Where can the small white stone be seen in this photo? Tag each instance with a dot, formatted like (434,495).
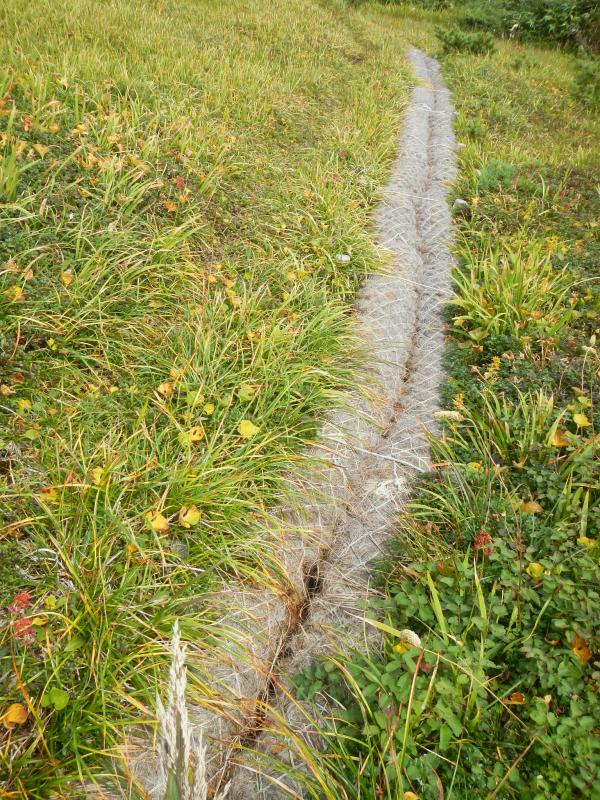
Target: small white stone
(459,203)
(342,258)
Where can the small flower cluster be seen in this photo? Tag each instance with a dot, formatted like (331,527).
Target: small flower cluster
(22,625)
(483,541)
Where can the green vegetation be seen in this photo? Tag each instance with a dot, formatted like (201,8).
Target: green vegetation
(586,83)
(574,23)
(455,40)
(176,187)
(487,685)
(174,196)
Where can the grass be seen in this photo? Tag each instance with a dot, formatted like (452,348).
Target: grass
(176,183)
(174,198)
(495,566)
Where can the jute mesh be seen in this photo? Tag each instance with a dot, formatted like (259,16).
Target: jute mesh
(368,453)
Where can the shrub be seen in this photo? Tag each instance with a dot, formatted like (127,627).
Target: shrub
(454,40)
(433,5)
(586,83)
(567,21)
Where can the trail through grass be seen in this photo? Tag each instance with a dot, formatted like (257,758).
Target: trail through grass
(184,193)
(487,682)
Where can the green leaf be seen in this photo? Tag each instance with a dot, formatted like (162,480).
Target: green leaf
(172,792)
(445,737)
(55,697)
(73,644)
(437,607)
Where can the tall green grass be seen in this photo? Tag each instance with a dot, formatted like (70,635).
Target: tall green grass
(177,181)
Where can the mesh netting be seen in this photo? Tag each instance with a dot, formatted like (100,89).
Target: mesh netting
(369,453)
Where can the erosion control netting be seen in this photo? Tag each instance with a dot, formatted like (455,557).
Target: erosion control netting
(369,453)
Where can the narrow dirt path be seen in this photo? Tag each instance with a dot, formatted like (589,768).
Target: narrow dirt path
(371,452)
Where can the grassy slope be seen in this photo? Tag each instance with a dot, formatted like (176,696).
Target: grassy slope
(497,563)
(176,181)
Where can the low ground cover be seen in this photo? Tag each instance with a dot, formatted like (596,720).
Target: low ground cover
(488,682)
(178,185)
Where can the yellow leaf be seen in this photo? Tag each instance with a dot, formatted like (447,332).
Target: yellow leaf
(531,507)
(581,420)
(23,405)
(235,299)
(40,621)
(40,149)
(170,206)
(516,699)
(16,714)
(208,408)
(166,389)
(246,392)
(188,516)
(410,796)
(48,495)
(194,397)
(14,293)
(581,649)
(536,570)
(157,521)
(66,277)
(97,476)
(559,439)
(194,434)
(247,429)
(586,541)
